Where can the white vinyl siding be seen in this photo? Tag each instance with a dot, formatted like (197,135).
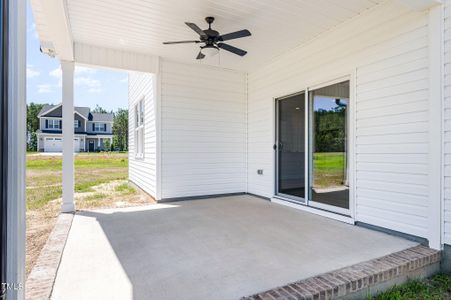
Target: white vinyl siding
(447,124)
(203,137)
(386,49)
(142,169)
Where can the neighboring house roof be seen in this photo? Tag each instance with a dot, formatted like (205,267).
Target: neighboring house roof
(46,108)
(102,117)
(83,111)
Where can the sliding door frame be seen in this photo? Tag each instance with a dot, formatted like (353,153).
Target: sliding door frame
(295,199)
(319,205)
(347,215)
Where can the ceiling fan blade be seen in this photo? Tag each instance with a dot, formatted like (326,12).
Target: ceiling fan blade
(234,35)
(180,42)
(232,49)
(200,55)
(196,29)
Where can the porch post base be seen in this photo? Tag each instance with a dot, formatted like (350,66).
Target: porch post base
(67,207)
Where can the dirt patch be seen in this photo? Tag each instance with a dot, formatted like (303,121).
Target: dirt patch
(112,195)
(39,225)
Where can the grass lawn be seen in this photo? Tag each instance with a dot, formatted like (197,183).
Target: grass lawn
(436,288)
(101,180)
(44,175)
(328,169)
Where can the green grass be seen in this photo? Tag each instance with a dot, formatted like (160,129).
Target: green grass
(92,160)
(38,197)
(44,174)
(328,169)
(436,288)
(94,199)
(125,189)
(51,163)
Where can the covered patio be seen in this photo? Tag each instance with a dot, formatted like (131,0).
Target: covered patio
(210,128)
(219,248)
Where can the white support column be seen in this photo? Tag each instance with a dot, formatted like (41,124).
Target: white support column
(435,126)
(15,210)
(67,69)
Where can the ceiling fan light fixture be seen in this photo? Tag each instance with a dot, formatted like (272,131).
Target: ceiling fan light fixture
(210,51)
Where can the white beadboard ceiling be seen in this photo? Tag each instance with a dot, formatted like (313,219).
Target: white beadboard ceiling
(142,25)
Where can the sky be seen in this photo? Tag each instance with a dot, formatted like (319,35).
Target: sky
(106,88)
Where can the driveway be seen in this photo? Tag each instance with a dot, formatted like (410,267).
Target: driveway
(219,248)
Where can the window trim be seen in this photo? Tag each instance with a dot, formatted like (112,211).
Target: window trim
(102,127)
(139,113)
(53,121)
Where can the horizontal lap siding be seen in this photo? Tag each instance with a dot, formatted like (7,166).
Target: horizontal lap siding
(447,124)
(387,49)
(203,138)
(142,171)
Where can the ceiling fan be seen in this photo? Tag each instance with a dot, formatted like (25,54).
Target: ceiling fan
(212,40)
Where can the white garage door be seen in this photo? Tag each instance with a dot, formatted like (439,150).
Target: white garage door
(53,145)
(76,145)
(56,145)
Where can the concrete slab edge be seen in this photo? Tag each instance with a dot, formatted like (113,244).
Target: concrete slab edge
(362,279)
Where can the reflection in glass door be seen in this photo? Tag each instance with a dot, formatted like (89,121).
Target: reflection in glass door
(329,186)
(290,147)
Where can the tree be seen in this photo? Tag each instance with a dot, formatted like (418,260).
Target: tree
(32,142)
(99,110)
(107,145)
(120,130)
(33,110)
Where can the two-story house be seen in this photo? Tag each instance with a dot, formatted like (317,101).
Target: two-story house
(92,130)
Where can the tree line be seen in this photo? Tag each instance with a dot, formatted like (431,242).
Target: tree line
(330,130)
(120,127)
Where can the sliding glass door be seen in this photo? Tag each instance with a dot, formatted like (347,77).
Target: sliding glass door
(329,186)
(319,153)
(290,146)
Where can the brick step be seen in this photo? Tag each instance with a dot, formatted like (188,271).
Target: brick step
(362,279)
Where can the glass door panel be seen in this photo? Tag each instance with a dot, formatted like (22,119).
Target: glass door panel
(290,146)
(329,186)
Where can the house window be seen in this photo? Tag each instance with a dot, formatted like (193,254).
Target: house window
(53,124)
(139,129)
(76,123)
(100,127)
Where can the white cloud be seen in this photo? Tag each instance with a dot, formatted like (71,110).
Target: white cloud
(82,78)
(95,90)
(83,70)
(56,73)
(31,72)
(91,83)
(32,30)
(45,88)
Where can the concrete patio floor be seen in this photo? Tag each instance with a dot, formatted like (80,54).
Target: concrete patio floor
(220,248)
